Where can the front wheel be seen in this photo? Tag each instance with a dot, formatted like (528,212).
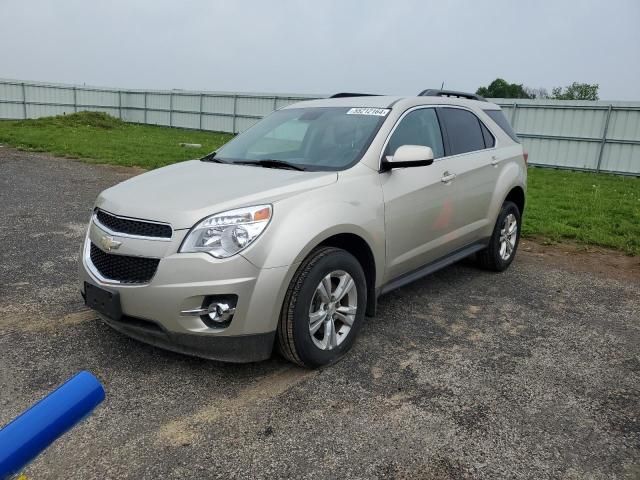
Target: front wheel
(504,241)
(323,308)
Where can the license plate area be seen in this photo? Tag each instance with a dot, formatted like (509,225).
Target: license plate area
(103,301)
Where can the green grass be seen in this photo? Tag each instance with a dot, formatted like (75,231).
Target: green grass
(100,138)
(589,208)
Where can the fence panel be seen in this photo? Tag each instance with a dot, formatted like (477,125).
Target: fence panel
(596,136)
(579,135)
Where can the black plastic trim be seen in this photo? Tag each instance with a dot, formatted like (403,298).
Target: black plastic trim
(237,348)
(432,267)
(348,95)
(432,92)
(120,225)
(123,268)
(444,133)
(386,166)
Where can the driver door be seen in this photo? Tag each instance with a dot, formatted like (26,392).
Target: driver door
(419,201)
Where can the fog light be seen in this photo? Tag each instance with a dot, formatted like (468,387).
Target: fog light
(220,312)
(216,310)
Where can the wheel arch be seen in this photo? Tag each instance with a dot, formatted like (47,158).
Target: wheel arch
(517,196)
(510,185)
(360,249)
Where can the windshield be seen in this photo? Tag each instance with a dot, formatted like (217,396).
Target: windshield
(321,138)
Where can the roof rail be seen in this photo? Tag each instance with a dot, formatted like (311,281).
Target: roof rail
(346,94)
(430,92)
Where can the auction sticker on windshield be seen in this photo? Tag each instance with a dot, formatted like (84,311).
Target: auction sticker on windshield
(380,112)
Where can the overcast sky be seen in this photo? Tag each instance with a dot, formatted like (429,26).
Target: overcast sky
(323,46)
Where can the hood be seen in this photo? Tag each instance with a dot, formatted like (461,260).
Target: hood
(184,193)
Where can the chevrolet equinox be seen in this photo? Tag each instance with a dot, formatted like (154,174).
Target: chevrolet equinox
(287,235)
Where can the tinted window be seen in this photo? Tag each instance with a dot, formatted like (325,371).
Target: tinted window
(498,117)
(489,141)
(463,130)
(419,127)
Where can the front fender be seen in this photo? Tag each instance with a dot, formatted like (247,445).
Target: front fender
(352,205)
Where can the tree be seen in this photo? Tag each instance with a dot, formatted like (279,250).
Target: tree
(537,92)
(576,91)
(500,88)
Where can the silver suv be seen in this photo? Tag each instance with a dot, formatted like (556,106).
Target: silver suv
(288,234)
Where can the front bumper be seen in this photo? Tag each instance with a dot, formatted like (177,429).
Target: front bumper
(151,312)
(238,348)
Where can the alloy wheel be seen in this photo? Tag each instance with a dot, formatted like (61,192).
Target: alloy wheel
(333,310)
(508,236)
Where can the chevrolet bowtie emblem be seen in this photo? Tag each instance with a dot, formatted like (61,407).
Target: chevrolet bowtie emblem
(108,244)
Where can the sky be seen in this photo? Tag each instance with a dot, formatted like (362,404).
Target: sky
(396,47)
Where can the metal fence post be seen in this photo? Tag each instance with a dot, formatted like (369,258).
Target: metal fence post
(75,100)
(145,107)
(120,104)
(24,101)
(235,110)
(604,137)
(200,118)
(171,109)
(514,115)
(275,103)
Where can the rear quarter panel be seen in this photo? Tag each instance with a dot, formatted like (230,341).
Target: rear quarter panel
(513,173)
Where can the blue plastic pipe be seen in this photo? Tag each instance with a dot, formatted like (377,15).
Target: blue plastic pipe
(33,431)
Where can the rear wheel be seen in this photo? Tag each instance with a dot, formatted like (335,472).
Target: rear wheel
(323,308)
(504,240)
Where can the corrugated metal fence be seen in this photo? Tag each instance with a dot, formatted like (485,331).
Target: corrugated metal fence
(216,111)
(579,135)
(596,136)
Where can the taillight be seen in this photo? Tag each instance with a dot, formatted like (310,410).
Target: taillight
(526,157)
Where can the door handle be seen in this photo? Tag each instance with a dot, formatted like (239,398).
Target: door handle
(447,177)
(494,160)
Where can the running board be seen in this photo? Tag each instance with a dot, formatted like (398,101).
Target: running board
(429,268)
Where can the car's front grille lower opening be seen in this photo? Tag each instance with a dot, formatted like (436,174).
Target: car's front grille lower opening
(123,268)
(129,226)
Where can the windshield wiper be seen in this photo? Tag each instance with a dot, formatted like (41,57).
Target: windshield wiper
(271,163)
(211,158)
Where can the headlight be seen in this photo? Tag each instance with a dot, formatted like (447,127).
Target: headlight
(227,233)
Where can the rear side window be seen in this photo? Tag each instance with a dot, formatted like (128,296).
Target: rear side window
(498,117)
(419,127)
(489,141)
(463,130)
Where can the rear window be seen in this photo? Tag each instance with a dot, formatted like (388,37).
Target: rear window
(498,117)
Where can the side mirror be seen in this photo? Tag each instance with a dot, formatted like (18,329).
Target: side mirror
(410,156)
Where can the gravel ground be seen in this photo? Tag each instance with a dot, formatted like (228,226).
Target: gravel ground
(533,373)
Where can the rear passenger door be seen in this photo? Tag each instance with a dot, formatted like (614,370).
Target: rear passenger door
(473,159)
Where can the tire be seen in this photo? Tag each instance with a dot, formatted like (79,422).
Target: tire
(306,300)
(493,257)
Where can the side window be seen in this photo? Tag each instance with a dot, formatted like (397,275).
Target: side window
(489,141)
(419,127)
(498,117)
(463,130)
